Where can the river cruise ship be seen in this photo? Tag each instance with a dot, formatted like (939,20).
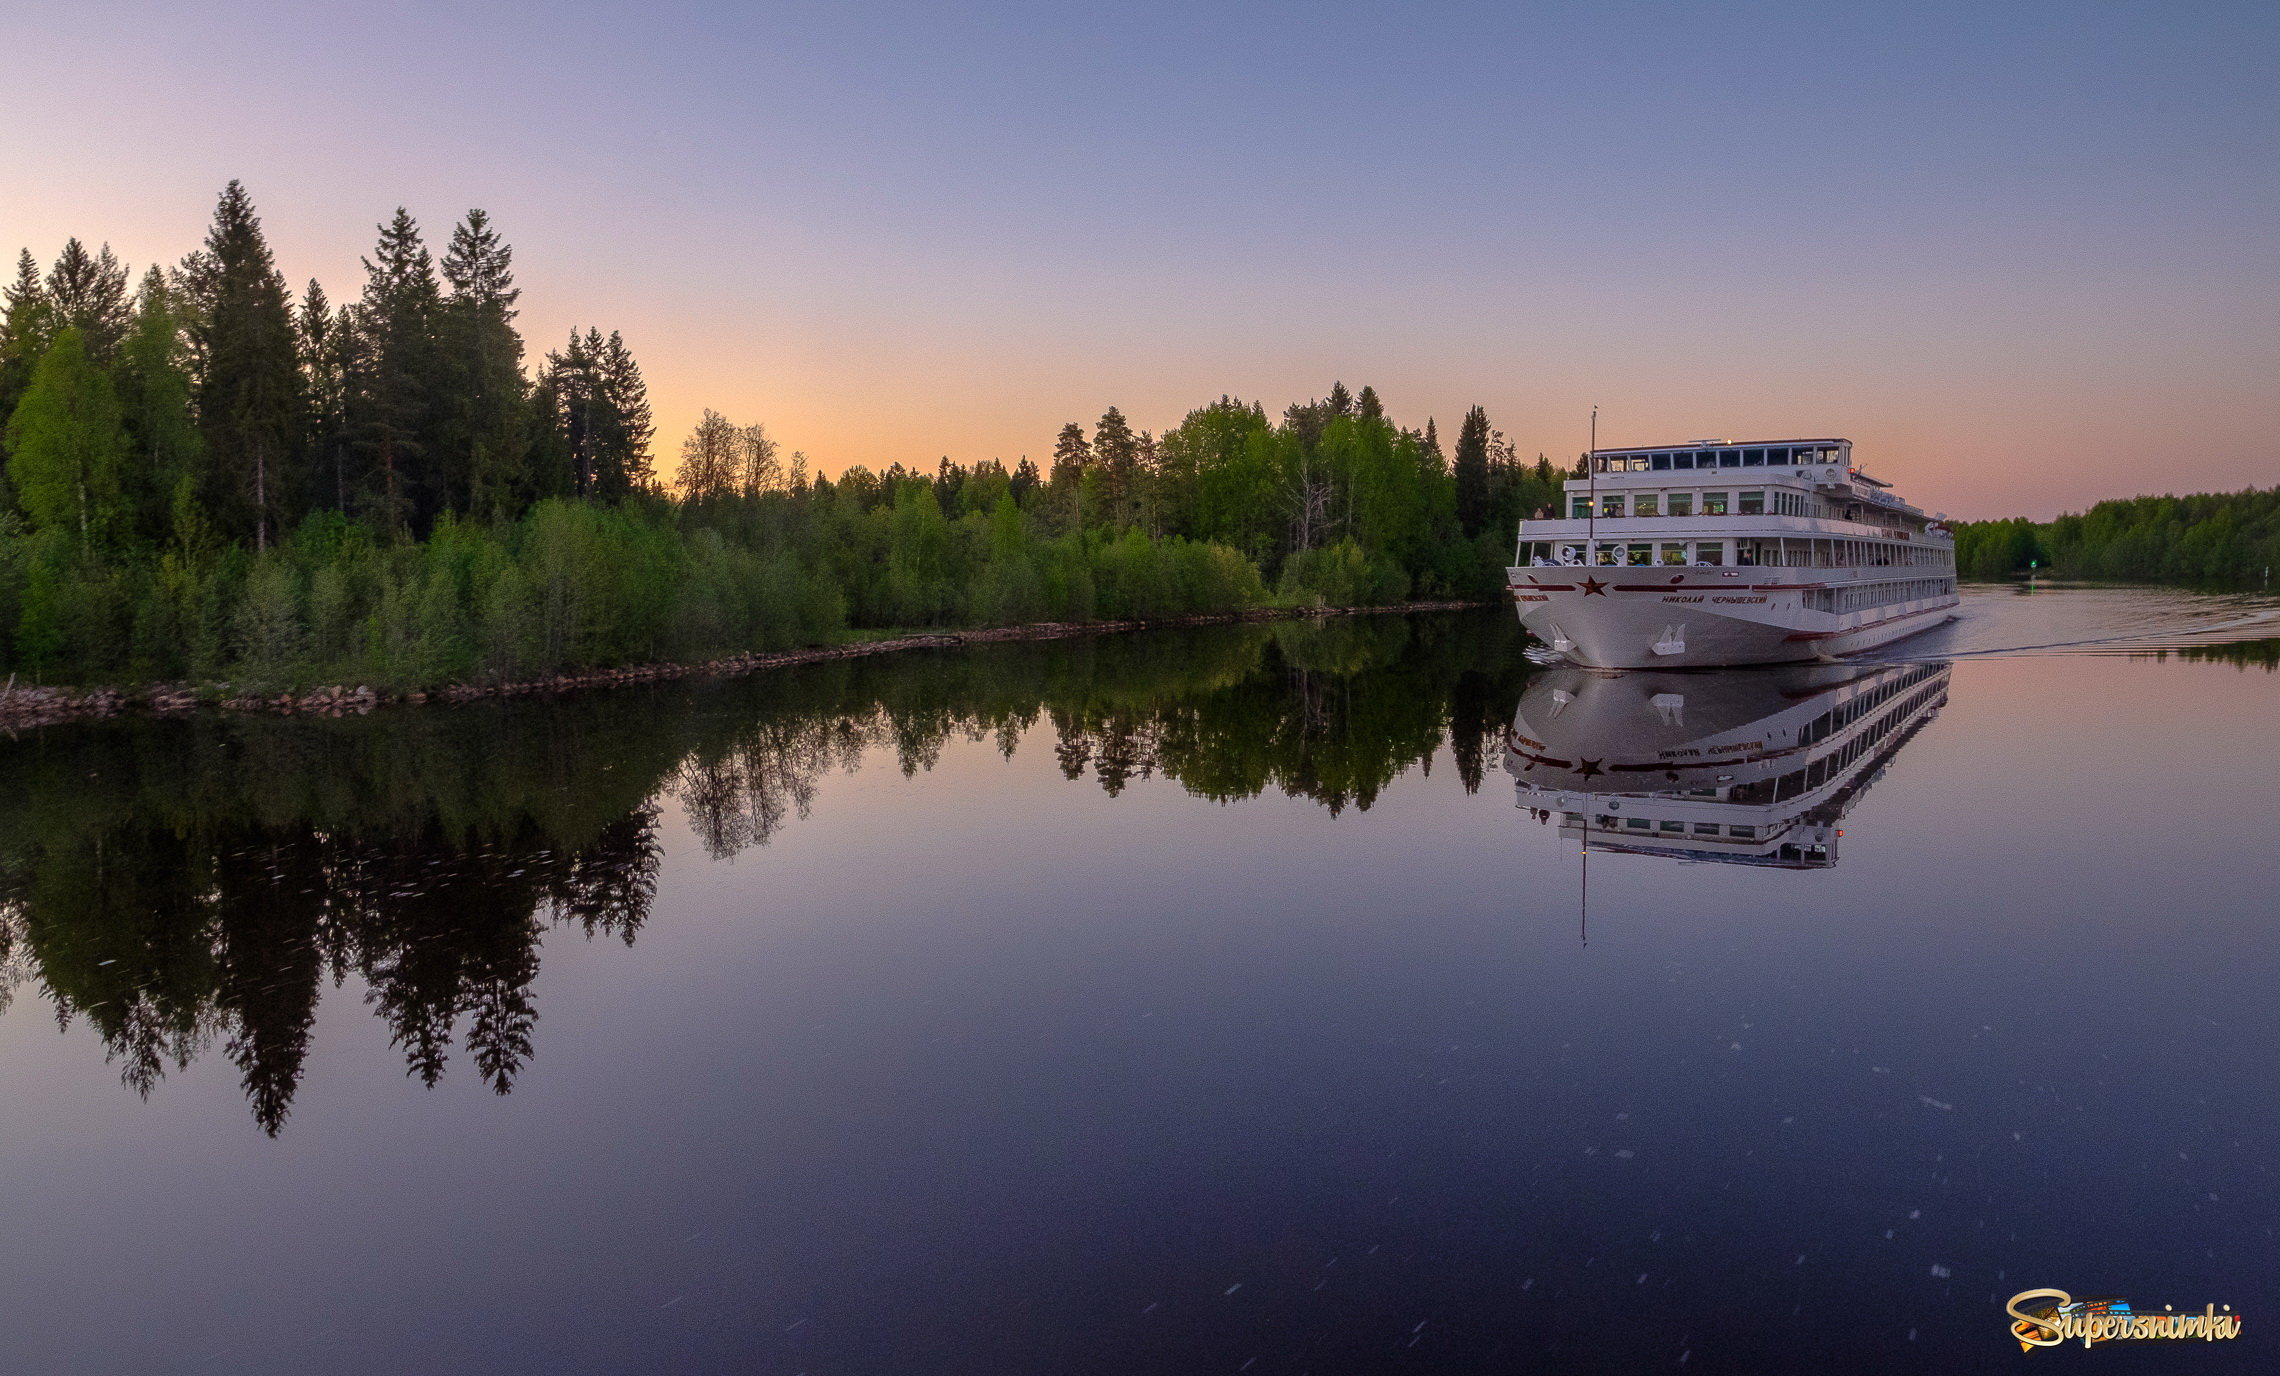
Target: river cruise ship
(1710,553)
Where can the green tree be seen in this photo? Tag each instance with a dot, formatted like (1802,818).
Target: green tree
(391,391)
(1116,454)
(1472,471)
(88,291)
(155,392)
(326,341)
(1072,460)
(1235,458)
(623,462)
(595,421)
(247,371)
(483,431)
(709,459)
(65,445)
(27,327)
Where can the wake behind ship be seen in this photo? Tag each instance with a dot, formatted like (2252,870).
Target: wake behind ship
(1766,552)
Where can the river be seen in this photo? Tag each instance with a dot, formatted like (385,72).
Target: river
(1272,998)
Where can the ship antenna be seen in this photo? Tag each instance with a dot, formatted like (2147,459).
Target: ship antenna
(1591,511)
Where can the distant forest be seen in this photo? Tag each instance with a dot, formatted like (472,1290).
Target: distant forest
(211,479)
(2218,540)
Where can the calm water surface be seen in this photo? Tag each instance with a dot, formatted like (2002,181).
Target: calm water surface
(1210,1001)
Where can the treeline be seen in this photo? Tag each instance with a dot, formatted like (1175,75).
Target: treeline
(2209,540)
(190,886)
(209,478)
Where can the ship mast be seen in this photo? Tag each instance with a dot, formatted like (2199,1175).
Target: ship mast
(1591,511)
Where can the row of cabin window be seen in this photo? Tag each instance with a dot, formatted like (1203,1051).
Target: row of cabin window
(1683,504)
(1880,594)
(1575,819)
(1778,456)
(1780,553)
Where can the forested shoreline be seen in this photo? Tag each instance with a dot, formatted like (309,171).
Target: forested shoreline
(2209,540)
(212,480)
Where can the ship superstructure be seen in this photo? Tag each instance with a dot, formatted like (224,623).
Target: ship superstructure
(1713,553)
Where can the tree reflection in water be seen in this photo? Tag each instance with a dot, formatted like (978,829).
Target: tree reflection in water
(182,885)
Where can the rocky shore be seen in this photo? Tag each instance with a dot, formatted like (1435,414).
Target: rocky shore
(23,707)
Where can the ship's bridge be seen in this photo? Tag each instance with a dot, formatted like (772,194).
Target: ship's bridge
(1823,466)
(1698,454)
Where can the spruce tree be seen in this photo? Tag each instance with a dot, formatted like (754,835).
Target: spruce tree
(554,464)
(1472,471)
(483,431)
(325,339)
(566,402)
(27,327)
(247,371)
(391,393)
(1367,405)
(624,464)
(88,291)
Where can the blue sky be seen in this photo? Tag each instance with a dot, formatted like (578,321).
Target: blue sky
(2022,253)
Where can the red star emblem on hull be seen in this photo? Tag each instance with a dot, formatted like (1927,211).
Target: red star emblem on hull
(1588,768)
(1593,585)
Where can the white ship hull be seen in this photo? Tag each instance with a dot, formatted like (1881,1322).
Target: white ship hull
(1639,618)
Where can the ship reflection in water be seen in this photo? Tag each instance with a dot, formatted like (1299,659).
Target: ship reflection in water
(1739,766)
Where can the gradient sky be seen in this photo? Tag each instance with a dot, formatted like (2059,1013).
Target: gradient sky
(2024,254)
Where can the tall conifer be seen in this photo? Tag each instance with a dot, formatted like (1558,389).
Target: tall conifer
(1072,454)
(1472,471)
(88,291)
(567,402)
(27,327)
(247,370)
(391,393)
(623,466)
(1116,453)
(324,338)
(483,422)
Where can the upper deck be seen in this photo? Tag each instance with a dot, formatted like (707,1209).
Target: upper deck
(1823,467)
